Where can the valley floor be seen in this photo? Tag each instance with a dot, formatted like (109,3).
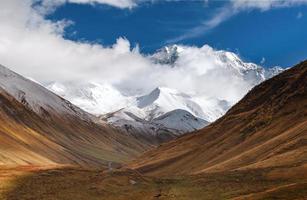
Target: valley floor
(72,183)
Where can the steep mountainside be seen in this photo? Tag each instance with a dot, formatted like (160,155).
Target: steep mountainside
(266,129)
(35,96)
(40,128)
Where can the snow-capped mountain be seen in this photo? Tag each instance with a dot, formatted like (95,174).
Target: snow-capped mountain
(162,100)
(169,55)
(273,71)
(162,111)
(181,120)
(165,109)
(35,96)
(157,130)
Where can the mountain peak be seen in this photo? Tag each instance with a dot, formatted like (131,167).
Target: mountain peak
(163,89)
(181,120)
(163,99)
(148,99)
(167,55)
(158,94)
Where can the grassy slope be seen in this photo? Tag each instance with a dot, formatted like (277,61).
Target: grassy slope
(267,128)
(29,139)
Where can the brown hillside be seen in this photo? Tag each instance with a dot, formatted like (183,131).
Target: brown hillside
(27,138)
(267,128)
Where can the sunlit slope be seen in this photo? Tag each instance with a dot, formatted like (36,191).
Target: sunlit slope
(267,128)
(39,128)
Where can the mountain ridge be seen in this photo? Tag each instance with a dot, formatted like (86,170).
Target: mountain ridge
(103,98)
(41,128)
(266,129)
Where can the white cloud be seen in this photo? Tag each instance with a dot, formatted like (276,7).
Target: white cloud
(35,47)
(262,60)
(50,5)
(266,4)
(118,3)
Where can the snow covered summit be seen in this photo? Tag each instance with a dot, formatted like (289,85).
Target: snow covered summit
(212,81)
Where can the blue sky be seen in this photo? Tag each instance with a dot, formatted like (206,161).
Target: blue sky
(90,41)
(275,36)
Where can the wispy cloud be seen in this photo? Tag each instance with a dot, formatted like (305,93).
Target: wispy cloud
(299,15)
(116,3)
(265,5)
(232,8)
(221,15)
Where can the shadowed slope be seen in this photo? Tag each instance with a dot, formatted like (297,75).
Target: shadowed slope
(267,128)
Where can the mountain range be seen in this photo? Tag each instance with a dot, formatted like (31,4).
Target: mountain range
(51,149)
(117,127)
(181,112)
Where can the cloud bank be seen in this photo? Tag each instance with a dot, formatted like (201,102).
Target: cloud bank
(36,48)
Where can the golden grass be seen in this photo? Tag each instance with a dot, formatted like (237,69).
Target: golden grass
(267,128)
(72,183)
(27,138)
